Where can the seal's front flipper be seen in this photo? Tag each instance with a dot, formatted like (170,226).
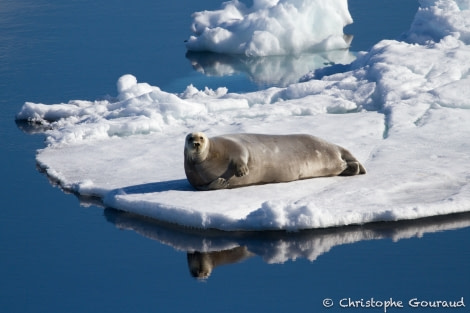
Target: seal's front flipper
(241,169)
(219,183)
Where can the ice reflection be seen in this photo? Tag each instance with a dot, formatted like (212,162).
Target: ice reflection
(279,71)
(208,249)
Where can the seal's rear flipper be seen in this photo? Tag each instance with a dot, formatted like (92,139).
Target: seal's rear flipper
(354,168)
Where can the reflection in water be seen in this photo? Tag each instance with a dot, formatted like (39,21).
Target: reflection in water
(208,249)
(277,71)
(32,128)
(201,264)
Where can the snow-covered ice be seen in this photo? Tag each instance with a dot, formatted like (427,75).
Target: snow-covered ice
(271,27)
(402,108)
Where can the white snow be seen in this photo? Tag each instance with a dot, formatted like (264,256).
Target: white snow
(402,109)
(271,27)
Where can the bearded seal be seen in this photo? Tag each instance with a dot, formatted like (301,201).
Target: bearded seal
(237,160)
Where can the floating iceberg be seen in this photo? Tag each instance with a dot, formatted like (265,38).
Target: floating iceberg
(271,27)
(402,108)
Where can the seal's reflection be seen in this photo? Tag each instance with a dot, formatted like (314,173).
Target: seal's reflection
(208,249)
(201,264)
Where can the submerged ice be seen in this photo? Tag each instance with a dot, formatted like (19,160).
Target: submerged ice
(402,108)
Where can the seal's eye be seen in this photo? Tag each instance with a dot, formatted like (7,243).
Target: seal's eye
(201,138)
(190,139)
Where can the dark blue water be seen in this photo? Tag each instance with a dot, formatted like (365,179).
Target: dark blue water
(62,254)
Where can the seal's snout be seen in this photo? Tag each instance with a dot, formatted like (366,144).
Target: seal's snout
(196,145)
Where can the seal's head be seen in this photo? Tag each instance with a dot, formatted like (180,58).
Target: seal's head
(200,265)
(196,147)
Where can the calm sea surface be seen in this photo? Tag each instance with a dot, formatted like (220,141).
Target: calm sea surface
(60,254)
